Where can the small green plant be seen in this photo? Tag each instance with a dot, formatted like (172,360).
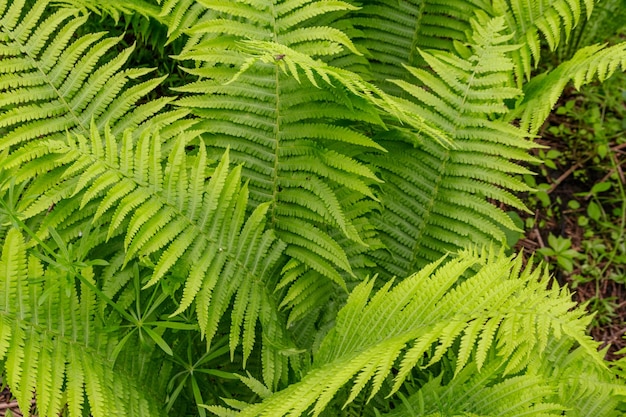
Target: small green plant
(560,249)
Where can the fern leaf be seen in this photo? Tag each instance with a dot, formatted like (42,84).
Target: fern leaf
(289,157)
(54,81)
(201,228)
(541,93)
(528,23)
(116,8)
(423,214)
(431,311)
(392,32)
(56,360)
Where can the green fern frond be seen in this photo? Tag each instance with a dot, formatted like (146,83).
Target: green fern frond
(393,32)
(53,81)
(542,92)
(170,217)
(431,317)
(295,62)
(484,393)
(305,291)
(115,8)
(255,97)
(606,20)
(61,362)
(529,23)
(435,196)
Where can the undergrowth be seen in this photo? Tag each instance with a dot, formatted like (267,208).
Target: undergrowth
(579,211)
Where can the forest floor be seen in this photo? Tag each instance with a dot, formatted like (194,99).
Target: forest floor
(579,213)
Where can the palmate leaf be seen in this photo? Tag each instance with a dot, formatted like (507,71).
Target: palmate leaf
(435,195)
(431,317)
(63,362)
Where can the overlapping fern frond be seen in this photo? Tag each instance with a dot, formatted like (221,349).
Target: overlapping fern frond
(171,218)
(531,22)
(490,326)
(566,381)
(258,94)
(63,362)
(542,93)
(435,196)
(393,31)
(116,8)
(281,191)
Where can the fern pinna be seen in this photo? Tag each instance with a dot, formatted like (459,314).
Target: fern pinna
(164,253)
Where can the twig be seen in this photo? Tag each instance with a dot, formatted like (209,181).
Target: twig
(12,404)
(8,405)
(618,166)
(539,239)
(563,176)
(618,147)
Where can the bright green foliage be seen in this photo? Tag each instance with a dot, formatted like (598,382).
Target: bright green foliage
(500,315)
(587,64)
(180,242)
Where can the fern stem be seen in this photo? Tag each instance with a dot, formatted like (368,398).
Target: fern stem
(416,35)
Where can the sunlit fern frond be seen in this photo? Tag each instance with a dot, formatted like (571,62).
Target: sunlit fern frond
(168,217)
(530,23)
(181,15)
(435,196)
(62,360)
(484,393)
(500,317)
(116,8)
(53,81)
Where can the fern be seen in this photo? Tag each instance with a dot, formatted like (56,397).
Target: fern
(527,21)
(392,33)
(176,244)
(542,93)
(295,159)
(53,82)
(171,219)
(432,317)
(425,215)
(606,19)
